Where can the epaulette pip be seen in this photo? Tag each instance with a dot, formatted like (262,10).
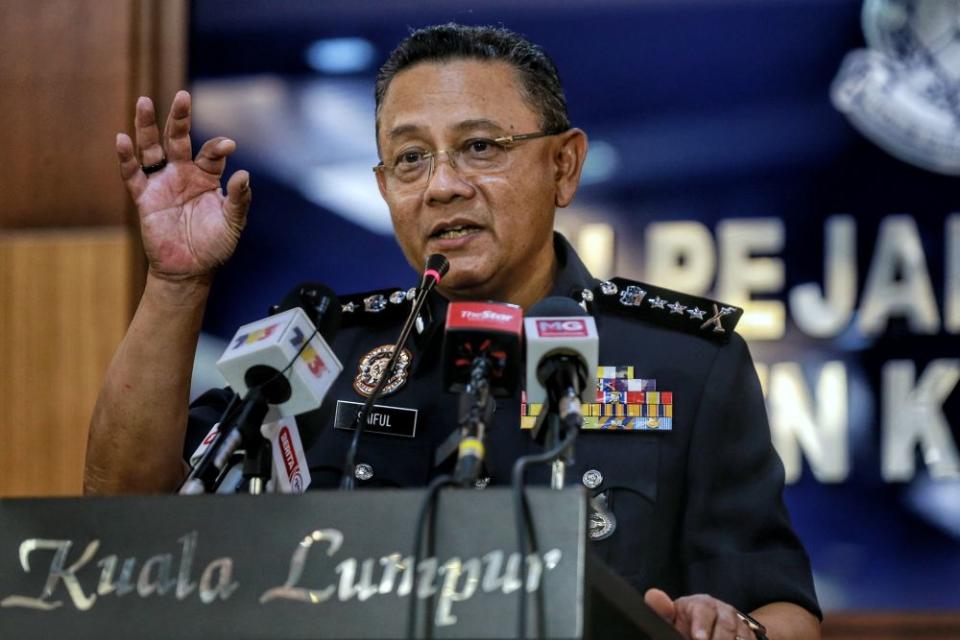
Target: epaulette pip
(375,307)
(691,314)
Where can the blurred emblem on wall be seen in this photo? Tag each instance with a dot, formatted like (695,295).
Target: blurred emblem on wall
(903,91)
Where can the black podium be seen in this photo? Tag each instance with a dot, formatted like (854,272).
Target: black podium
(322,565)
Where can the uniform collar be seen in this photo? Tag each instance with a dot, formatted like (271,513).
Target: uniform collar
(572,275)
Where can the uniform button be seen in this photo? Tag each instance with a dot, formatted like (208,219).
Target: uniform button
(586,295)
(592,479)
(481,483)
(363,471)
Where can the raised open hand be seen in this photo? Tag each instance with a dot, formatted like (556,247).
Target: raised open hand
(188,226)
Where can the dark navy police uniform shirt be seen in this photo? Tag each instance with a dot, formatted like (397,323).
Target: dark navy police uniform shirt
(697,507)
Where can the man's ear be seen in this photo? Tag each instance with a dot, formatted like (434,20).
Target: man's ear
(568,158)
(381,184)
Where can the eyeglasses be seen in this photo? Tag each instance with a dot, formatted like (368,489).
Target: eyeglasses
(413,167)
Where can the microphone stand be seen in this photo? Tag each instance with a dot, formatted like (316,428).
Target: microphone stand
(568,419)
(473,419)
(208,468)
(347,480)
(257,454)
(562,413)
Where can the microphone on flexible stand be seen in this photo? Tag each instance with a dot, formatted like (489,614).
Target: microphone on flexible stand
(280,363)
(481,358)
(434,270)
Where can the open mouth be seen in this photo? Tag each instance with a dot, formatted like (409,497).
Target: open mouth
(451,233)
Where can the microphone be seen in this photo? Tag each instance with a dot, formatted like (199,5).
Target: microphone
(434,270)
(291,474)
(481,357)
(489,330)
(280,364)
(562,357)
(562,350)
(286,355)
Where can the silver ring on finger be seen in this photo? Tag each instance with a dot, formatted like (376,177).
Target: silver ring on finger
(153,168)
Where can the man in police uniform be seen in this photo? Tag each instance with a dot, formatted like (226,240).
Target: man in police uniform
(477,153)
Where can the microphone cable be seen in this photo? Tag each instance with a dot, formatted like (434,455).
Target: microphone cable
(425,516)
(525,526)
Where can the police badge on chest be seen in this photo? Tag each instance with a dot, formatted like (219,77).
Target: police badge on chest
(382,419)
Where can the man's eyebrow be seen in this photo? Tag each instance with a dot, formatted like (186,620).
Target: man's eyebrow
(478,123)
(465,125)
(403,129)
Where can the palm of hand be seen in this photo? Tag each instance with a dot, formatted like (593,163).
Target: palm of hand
(189,227)
(184,227)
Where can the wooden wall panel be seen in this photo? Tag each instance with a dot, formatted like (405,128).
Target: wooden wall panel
(61,321)
(70,74)
(877,625)
(65,69)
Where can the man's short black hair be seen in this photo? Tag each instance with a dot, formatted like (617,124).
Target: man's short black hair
(451,41)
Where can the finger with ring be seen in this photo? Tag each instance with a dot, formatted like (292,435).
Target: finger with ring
(153,168)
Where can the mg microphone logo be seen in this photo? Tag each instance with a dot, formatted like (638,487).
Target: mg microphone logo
(562,328)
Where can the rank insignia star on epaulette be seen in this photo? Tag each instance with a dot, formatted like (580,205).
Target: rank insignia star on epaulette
(350,307)
(676,308)
(658,302)
(696,313)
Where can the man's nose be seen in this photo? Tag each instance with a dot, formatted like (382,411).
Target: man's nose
(435,161)
(446,182)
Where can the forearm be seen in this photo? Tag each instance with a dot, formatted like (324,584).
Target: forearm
(787,621)
(137,430)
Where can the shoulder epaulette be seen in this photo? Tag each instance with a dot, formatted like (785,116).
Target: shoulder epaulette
(691,314)
(373,307)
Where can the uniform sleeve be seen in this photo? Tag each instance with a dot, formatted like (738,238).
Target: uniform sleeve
(205,412)
(738,543)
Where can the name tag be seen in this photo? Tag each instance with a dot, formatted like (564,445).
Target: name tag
(390,421)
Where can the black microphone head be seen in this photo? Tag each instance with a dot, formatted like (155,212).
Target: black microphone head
(320,304)
(556,306)
(437,266)
(561,348)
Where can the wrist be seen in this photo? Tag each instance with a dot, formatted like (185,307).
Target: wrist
(177,291)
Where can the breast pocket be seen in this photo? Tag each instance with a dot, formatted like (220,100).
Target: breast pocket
(620,471)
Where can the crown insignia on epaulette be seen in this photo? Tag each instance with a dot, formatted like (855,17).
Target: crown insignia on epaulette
(691,314)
